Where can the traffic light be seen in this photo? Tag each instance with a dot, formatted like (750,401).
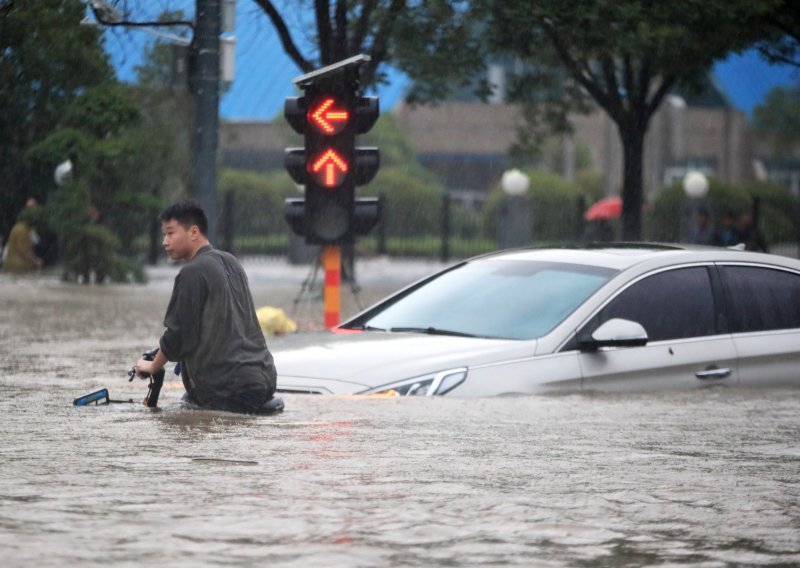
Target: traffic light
(330,114)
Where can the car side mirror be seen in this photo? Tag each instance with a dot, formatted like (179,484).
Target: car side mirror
(615,332)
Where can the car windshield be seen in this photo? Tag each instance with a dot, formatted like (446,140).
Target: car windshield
(494,298)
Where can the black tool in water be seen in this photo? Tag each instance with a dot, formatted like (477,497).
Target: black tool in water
(156,380)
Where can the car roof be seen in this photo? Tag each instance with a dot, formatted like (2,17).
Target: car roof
(622,256)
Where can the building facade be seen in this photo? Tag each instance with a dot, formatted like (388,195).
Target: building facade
(466,143)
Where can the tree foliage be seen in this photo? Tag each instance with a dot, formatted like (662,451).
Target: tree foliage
(781,42)
(436,42)
(101,134)
(167,113)
(625,55)
(47,59)
(777,120)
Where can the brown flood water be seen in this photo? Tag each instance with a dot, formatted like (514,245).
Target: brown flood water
(707,478)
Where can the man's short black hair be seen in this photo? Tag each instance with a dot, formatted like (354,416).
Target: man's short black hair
(187,213)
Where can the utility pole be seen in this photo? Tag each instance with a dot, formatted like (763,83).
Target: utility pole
(205,91)
(204,80)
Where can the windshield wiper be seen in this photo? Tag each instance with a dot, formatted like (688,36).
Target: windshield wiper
(431,331)
(366,328)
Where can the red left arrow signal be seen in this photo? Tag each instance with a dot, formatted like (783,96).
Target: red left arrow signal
(329,168)
(326,118)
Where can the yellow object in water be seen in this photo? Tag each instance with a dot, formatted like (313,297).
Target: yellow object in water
(274,321)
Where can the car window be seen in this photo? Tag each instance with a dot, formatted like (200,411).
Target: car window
(673,304)
(495,298)
(761,299)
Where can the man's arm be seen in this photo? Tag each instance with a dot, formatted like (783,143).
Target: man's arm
(183,317)
(145,367)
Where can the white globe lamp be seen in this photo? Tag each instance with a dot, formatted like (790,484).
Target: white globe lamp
(63,172)
(695,184)
(515,183)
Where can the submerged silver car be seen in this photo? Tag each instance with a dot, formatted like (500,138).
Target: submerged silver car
(627,317)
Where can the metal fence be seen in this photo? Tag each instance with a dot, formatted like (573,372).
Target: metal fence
(452,227)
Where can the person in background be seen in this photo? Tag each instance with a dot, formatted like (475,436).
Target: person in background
(211,323)
(702,232)
(749,233)
(45,241)
(18,254)
(598,231)
(728,236)
(95,248)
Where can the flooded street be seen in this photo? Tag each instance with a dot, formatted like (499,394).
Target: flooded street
(704,478)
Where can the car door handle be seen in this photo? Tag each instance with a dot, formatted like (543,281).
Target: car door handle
(713,373)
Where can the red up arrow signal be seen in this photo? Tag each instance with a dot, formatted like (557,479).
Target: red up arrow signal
(329,169)
(327,119)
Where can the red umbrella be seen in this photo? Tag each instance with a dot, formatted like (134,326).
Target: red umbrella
(608,208)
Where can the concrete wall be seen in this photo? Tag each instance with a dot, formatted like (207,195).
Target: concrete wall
(678,137)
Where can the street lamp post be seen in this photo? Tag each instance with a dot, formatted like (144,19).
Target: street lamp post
(515,223)
(695,187)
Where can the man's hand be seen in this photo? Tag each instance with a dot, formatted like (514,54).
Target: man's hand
(144,367)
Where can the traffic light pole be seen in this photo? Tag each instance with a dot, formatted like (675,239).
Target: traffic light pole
(332,294)
(329,115)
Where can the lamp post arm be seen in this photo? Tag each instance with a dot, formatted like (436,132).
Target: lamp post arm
(167,23)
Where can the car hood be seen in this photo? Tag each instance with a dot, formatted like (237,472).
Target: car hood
(354,362)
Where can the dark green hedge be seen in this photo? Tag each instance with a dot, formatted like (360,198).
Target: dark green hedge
(412,201)
(258,200)
(778,209)
(778,216)
(555,205)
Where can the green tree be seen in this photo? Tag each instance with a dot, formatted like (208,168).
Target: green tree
(626,56)
(436,43)
(777,119)
(47,58)
(167,114)
(782,34)
(101,134)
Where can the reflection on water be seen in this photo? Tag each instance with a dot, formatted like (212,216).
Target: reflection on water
(705,477)
(702,478)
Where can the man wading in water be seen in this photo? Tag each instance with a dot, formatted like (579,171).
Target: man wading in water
(211,323)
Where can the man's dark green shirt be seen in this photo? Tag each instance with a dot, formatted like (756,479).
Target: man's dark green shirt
(213,331)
